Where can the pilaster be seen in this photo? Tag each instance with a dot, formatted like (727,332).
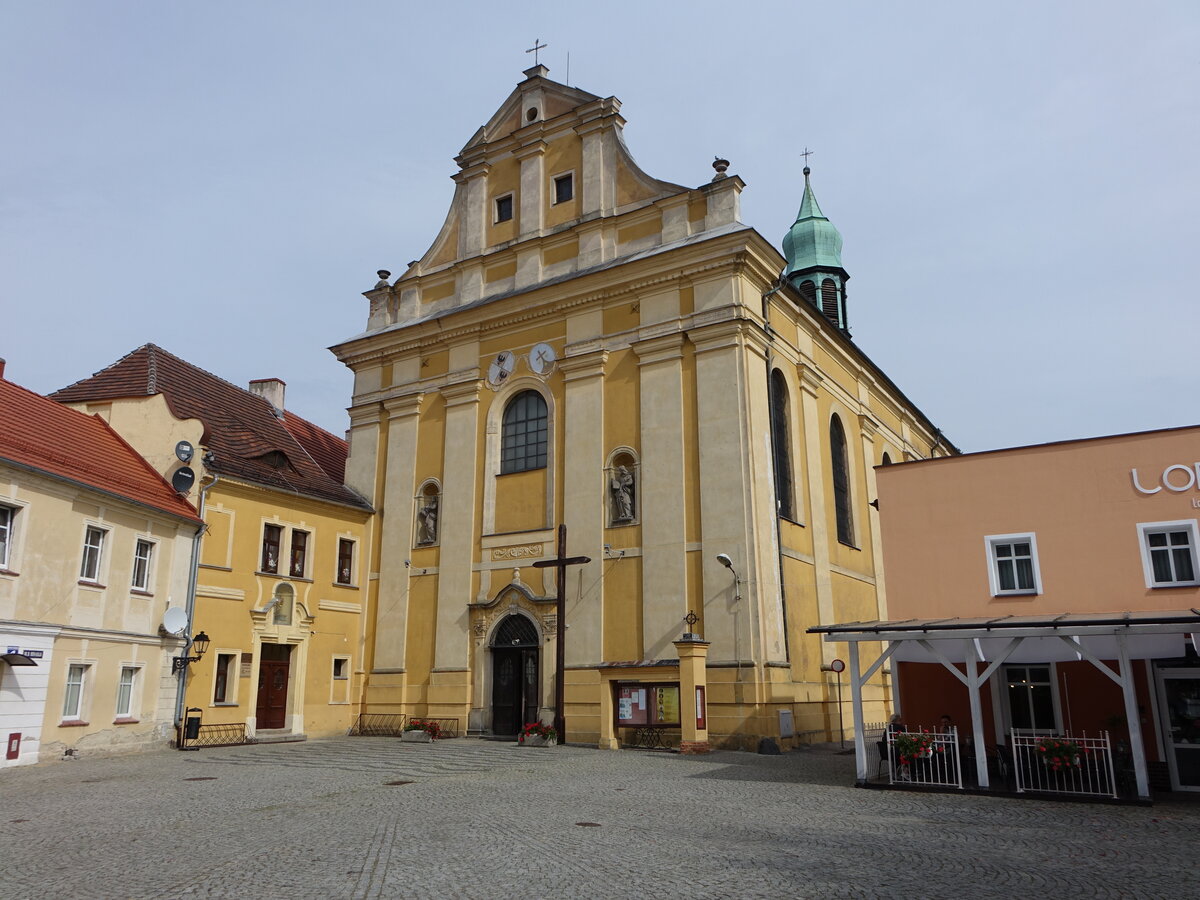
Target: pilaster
(815,435)
(584,500)
(664,564)
(457,527)
(868,428)
(396,539)
(533,177)
(693,690)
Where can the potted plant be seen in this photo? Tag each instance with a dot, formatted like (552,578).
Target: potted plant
(910,746)
(535,734)
(421,731)
(1059,753)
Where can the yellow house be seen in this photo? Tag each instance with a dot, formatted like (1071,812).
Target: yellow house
(584,344)
(282,574)
(95,548)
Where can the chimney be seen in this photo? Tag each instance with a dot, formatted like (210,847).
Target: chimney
(1,368)
(271,390)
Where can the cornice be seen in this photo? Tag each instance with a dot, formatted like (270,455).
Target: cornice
(403,406)
(588,364)
(460,393)
(659,349)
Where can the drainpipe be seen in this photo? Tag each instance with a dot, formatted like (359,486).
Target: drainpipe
(190,603)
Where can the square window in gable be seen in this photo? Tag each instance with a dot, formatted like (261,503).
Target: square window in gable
(504,208)
(564,188)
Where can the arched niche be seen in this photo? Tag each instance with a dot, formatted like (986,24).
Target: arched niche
(623,487)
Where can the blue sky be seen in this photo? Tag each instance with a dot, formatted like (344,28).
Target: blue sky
(1012,181)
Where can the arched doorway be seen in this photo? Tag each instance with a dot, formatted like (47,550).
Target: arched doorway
(515,672)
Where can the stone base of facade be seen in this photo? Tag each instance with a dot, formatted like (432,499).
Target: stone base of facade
(693,747)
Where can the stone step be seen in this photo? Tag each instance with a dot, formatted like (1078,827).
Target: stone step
(271,736)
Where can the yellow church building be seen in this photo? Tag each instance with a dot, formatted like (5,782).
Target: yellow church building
(584,344)
(280,582)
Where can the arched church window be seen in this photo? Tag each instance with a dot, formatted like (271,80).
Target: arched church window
(284,599)
(515,631)
(523,434)
(781,444)
(841,482)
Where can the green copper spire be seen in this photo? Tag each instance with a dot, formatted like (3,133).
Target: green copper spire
(813,242)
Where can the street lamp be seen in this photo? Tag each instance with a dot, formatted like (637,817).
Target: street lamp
(200,642)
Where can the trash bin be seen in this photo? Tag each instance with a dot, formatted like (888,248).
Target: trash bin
(191,729)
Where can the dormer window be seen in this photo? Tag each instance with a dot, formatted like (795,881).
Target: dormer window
(564,188)
(504,208)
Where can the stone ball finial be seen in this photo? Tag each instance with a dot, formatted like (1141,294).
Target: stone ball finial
(720,165)
(384,275)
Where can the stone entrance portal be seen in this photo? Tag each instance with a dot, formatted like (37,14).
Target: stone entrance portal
(515,674)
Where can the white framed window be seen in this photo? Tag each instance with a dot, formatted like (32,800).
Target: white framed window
(143,555)
(126,692)
(73,697)
(339,686)
(502,209)
(563,188)
(1169,553)
(93,551)
(1013,564)
(345,562)
(1031,698)
(7,514)
(225,678)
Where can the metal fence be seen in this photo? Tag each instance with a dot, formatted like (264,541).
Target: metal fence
(924,758)
(378,724)
(1064,764)
(214,736)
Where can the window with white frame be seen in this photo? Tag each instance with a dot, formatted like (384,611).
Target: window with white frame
(345,562)
(1012,564)
(1031,702)
(224,680)
(299,558)
(73,697)
(125,692)
(143,552)
(1169,553)
(7,514)
(93,550)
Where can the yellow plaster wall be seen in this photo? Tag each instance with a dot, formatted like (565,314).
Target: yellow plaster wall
(226,595)
(564,154)
(521,501)
(623,608)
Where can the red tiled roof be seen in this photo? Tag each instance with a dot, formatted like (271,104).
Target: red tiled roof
(246,436)
(38,433)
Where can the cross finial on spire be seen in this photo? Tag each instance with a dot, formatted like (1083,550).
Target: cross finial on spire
(806,154)
(537,45)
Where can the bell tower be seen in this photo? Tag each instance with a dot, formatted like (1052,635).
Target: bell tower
(813,250)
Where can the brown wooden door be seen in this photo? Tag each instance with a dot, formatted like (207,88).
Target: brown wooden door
(514,689)
(273,672)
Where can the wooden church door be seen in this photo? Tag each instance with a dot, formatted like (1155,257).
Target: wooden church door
(515,674)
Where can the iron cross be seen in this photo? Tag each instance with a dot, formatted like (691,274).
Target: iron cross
(806,154)
(560,562)
(537,45)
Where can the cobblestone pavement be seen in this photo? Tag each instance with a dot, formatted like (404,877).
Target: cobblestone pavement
(480,819)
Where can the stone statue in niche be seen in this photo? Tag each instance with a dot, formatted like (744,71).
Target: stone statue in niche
(427,520)
(621,486)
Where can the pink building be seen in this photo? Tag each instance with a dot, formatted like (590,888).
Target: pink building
(1046,597)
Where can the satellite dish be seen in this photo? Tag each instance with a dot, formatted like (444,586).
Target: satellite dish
(175,621)
(184,451)
(183,479)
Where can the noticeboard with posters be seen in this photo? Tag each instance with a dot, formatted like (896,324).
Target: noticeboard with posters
(647,704)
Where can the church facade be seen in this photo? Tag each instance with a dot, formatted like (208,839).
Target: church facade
(586,345)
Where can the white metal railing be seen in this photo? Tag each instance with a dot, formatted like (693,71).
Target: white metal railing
(938,763)
(1064,764)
